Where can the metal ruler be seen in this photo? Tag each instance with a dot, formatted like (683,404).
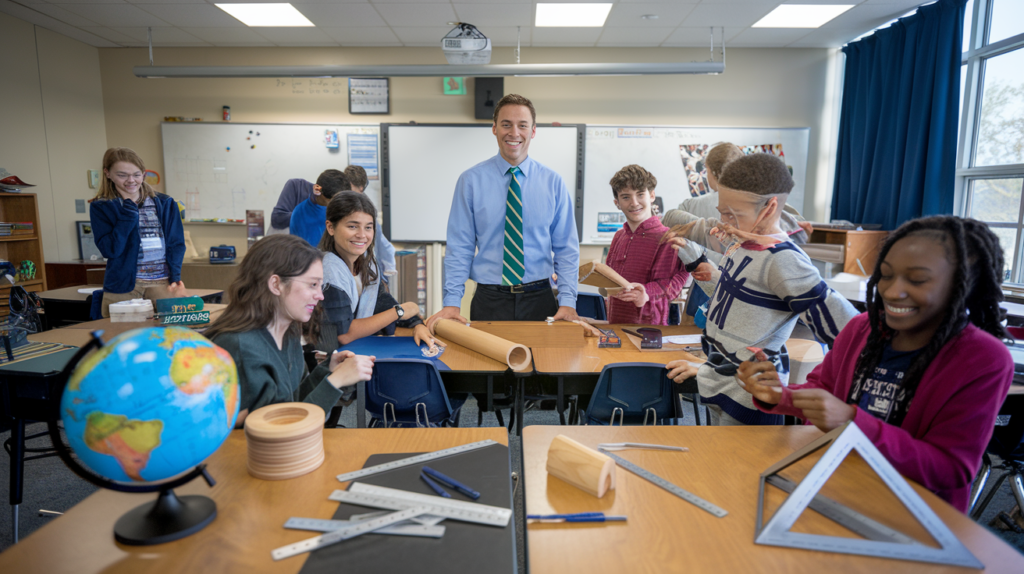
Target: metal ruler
(427,457)
(391,499)
(352,531)
(424,519)
(318,525)
(845,516)
(657,480)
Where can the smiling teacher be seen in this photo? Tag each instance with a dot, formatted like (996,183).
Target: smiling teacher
(511,225)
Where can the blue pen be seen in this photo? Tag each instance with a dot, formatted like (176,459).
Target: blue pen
(435,486)
(578,517)
(451,483)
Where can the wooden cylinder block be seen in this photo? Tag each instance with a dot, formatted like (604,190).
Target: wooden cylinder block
(516,356)
(285,440)
(580,466)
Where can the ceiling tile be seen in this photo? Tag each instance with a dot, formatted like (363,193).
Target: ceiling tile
(416,14)
(363,36)
(629,15)
(298,36)
(297,2)
(115,15)
(633,36)
(162,36)
(866,15)
(827,38)
(506,35)
(233,36)
(699,37)
(192,15)
(341,15)
(767,37)
(421,36)
(481,15)
(91,2)
(60,13)
(112,35)
(565,36)
(728,15)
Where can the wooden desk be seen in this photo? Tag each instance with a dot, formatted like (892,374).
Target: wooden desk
(66,306)
(562,360)
(250,512)
(67,273)
(111,329)
(667,534)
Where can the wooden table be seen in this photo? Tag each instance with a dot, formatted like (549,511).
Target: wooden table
(67,306)
(112,329)
(250,512)
(667,534)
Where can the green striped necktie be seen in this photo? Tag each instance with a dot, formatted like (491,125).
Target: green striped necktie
(513,263)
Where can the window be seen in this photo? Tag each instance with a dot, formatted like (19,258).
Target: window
(990,154)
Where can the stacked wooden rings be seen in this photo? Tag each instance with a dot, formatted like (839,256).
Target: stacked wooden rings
(285,440)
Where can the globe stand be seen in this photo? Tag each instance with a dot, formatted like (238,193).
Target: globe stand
(165,519)
(169,517)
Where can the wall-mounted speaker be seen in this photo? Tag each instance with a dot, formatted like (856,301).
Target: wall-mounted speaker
(488,91)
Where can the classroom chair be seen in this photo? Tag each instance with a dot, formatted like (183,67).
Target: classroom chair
(591,305)
(408,393)
(1007,443)
(96,305)
(635,393)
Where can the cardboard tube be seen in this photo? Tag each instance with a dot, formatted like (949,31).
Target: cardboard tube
(516,356)
(580,466)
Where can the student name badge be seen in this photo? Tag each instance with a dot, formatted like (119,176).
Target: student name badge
(152,243)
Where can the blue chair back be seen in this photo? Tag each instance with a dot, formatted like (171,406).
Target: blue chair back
(591,305)
(96,309)
(400,386)
(635,388)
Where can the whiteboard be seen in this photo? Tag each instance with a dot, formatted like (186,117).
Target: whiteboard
(423,162)
(658,150)
(219,170)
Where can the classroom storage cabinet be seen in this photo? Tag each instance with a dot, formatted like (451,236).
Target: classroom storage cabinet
(859,246)
(14,208)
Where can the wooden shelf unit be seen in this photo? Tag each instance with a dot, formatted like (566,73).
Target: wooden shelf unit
(862,246)
(16,207)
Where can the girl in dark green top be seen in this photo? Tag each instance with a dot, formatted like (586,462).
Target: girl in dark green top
(277,288)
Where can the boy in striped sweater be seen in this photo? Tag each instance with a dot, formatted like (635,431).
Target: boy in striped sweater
(763,285)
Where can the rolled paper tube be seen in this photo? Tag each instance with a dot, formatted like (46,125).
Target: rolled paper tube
(580,466)
(284,440)
(516,356)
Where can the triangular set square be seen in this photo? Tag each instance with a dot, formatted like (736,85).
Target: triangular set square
(879,540)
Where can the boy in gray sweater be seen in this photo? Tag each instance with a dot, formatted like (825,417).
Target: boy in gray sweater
(762,286)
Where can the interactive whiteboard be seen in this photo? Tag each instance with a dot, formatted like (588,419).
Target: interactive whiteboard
(675,155)
(422,163)
(219,170)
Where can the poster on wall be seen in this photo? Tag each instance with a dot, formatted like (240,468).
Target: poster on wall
(696,172)
(362,151)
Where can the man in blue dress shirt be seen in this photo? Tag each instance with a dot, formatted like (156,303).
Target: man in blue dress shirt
(519,215)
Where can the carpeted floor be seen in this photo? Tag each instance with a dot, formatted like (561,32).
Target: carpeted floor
(51,486)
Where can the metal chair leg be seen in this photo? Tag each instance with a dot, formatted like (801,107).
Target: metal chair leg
(696,408)
(988,498)
(979,483)
(1017,487)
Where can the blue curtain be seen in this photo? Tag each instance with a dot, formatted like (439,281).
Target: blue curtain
(898,121)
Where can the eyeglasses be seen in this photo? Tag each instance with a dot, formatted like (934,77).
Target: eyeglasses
(121,175)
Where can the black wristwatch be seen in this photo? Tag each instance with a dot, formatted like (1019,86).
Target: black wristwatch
(400,311)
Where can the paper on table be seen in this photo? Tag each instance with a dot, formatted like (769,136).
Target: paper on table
(88,290)
(681,339)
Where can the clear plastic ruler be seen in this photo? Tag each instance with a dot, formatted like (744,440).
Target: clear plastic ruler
(658,481)
(391,499)
(845,516)
(346,533)
(420,458)
(319,525)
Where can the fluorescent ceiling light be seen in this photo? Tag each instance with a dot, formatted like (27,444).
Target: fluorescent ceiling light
(572,15)
(264,15)
(801,15)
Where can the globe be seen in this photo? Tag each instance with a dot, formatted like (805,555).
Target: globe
(150,404)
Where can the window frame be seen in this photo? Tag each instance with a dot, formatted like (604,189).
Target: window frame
(967,142)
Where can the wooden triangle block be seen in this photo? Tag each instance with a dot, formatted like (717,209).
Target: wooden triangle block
(600,275)
(841,442)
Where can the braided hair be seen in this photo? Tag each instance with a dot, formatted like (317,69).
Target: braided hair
(974,297)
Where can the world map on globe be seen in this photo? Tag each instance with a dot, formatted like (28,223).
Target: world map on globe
(150,404)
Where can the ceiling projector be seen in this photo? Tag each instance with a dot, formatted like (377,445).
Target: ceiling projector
(466,45)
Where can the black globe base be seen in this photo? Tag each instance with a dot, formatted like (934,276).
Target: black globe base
(165,519)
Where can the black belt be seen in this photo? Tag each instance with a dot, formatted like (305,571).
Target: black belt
(523,288)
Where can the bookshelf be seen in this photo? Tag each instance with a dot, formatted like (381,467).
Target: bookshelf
(16,207)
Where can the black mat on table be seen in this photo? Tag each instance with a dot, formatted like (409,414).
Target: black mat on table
(465,547)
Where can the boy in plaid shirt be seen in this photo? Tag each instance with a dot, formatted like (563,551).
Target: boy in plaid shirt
(638,254)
